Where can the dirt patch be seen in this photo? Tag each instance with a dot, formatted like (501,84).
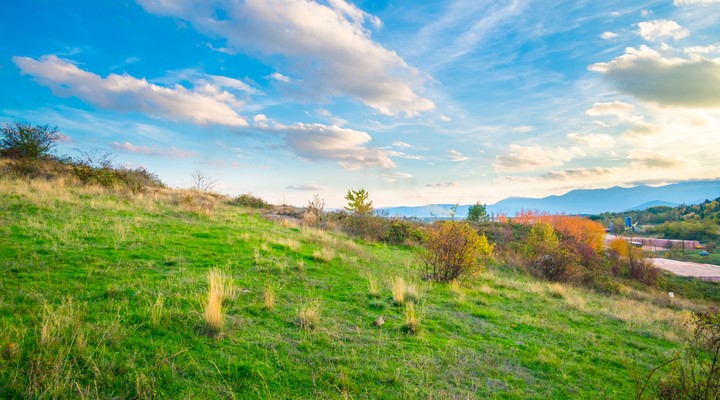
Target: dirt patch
(706,272)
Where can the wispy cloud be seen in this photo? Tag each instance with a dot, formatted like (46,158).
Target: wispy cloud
(651,159)
(456,156)
(173,152)
(530,157)
(307,188)
(206,104)
(328,47)
(593,140)
(574,174)
(615,108)
(444,185)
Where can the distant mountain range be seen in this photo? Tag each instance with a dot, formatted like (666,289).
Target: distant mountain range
(582,201)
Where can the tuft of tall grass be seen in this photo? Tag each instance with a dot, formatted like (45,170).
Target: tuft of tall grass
(455,287)
(269,298)
(325,254)
(412,321)
(397,288)
(308,316)
(373,287)
(157,310)
(220,289)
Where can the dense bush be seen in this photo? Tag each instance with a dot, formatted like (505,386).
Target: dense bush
(250,201)
(23,140)
(374,228)
(629,261)
(452,251)
(136,180)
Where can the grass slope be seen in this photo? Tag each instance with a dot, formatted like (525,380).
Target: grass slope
(102,296)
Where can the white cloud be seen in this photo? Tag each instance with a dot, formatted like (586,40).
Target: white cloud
(327,47)
(347,147)
(308,188)
(594,140)
(609,35)
(444,185)
(662,28)
(128,147)
(692,2)
(615,108)
(530,157)
(400,154)
(445,118)
(690,81)
(523,129)
(456,156)
(279,77)
(204,104)
(577,173)
(404,145)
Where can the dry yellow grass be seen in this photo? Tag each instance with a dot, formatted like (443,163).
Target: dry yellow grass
(412,292)
(486,289)
(373,287)
(397,288)
(220,289)
(455,287)
(412,321)
(325,254)
(288,223)
(157,310)
(557,290)
(59,325)
(269,298)
(291,244)
(308,316)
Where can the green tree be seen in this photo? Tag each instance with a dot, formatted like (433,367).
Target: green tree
(358,201)
(23,140)
(478,213)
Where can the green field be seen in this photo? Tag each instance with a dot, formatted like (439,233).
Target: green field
(102,296)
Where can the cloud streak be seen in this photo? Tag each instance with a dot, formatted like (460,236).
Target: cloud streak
(128,147)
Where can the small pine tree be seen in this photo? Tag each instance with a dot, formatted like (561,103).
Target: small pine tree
(358,202)
(478,213)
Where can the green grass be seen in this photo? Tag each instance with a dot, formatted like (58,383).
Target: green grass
(102,295)
(691,288)
(694,256)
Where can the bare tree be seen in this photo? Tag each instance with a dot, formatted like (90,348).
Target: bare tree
(202,181)
(95,158)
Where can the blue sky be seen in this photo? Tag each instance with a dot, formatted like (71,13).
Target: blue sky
(418,102)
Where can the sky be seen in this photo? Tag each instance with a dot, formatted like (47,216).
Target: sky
(418,102)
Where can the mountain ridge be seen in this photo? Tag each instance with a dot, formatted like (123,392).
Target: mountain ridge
(579,201)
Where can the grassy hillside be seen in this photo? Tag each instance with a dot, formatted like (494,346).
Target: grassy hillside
(103,293)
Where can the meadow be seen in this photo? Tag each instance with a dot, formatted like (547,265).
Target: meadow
(181,294)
